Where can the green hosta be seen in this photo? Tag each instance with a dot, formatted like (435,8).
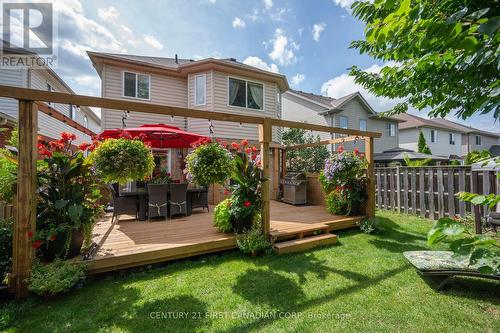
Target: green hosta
(120,160)
(483,251)
(209,163)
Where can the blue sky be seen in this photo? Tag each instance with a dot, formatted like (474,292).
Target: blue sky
(307,40)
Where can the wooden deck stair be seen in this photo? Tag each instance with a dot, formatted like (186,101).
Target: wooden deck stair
(295,238)
(301,244)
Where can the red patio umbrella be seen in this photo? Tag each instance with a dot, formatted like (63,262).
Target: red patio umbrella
(158,135)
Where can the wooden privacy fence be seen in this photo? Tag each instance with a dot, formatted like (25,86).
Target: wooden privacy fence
(430,191)
(6,210)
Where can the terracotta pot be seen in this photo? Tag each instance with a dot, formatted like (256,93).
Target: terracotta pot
(56,248)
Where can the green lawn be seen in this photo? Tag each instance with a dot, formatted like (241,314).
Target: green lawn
(361,284)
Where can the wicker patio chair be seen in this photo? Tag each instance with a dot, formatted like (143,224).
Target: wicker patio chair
(157,204)
(122,204)
(199,199)
(178,199)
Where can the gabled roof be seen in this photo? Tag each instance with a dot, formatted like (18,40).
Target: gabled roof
(181,67)
(412,121)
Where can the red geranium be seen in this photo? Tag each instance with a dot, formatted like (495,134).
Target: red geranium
(244,142)
(29,233)
(254,157)
(340,149)
(84,146)
(235,145)
(67,137)
(226,191)
(248,150)
(254,149)
(247,203)
(356,151)
(36,244)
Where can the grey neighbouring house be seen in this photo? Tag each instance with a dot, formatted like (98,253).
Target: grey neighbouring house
(351,111)
(444,137)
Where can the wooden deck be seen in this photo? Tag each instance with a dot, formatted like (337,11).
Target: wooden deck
(130,243)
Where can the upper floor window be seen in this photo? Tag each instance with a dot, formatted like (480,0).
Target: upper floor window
(433,136)
(136,85)
(200,91)
(85,121)
(72,111)
(246,94)
(390,129)
(362,124)
(452,138)
(478,140)
(343,121)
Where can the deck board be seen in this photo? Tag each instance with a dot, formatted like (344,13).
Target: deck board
(130,243)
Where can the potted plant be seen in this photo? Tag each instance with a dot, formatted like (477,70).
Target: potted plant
(68,199)
(123,159)
(343,179)
(161,177)
(209,163)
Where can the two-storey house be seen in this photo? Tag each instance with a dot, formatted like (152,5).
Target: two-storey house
(220,85)
(444,137)
(53,118)
(351,111)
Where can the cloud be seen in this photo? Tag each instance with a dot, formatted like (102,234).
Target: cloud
(346,4)
(268,4)
(318,28)
(297,79)
(153,42)
(238,23)
(344,84)
(259,63)
(283,49)
(278,15)
(109,13)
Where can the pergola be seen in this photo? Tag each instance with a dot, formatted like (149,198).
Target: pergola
(25,203)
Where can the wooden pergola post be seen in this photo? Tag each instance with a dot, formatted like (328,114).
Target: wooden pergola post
(370,172)
(265,137)
(22,254)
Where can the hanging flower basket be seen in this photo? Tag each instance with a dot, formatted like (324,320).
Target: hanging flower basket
(120,160)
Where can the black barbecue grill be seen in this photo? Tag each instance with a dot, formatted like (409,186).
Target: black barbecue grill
(295,188)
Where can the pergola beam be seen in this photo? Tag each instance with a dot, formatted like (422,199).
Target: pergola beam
(323,128)
(325,142)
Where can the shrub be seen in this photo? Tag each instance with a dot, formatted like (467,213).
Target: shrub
(476,156)
(55,278)
(7,178)
(337,203)
(222,216)
(253,242)
(119,160)
(209,163)
(370,226)
(5,247)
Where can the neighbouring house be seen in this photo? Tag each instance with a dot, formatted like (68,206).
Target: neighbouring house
(351,111)
(397,155)
(444,137)
(224,85)
(53,118)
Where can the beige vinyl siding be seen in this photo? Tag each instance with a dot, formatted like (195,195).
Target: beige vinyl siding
(408,138)
(39,80)
(53,128)
(15,78)
(200,126)
(164,90)
(219,83)
(486,142)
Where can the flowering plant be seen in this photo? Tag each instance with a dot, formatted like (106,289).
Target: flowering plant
(119,160)
(162,177)
(209,163)
(68,191)
(344,181)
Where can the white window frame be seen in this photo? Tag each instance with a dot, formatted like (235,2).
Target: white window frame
(480,140)
(391,126)
(136,85)
(85,121)
(452,139)
(73,109)
(346,122)
(435,136)
(246,91)
(196,90)
(51,89)
(366,124)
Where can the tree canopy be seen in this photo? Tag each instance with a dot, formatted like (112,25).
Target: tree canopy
(310,159)
(443,55)
(422,144)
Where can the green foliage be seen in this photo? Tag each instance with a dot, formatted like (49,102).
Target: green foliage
(56,277)
(8,171)
(309,159)
(246,187)
(422,144)
(209,163)
(222,216)
(120,160)
(454,162)
(483,251)
(477,156)
(337,203)
(416,163)
(162,177)
(490,200)
(6,226)
(253,242)
(441,55)
(370,226)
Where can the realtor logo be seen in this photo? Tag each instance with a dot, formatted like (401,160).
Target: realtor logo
(28,31)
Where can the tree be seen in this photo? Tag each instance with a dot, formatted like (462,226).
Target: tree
(310,159)
(416,163)
(422,144)
(441,55)
(477,156)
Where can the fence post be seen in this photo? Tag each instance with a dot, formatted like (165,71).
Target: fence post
(370,205)
(414,191)
(398,189)
(405,190)
(421,196)
(461,188)
(265,135)
(474,175)
(432,207)
(440,196)
(22,252)
(451,192)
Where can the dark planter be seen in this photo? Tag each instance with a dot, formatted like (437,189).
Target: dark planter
(53,249)
(242,225)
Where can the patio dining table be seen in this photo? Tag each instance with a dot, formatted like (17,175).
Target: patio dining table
(142,199)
